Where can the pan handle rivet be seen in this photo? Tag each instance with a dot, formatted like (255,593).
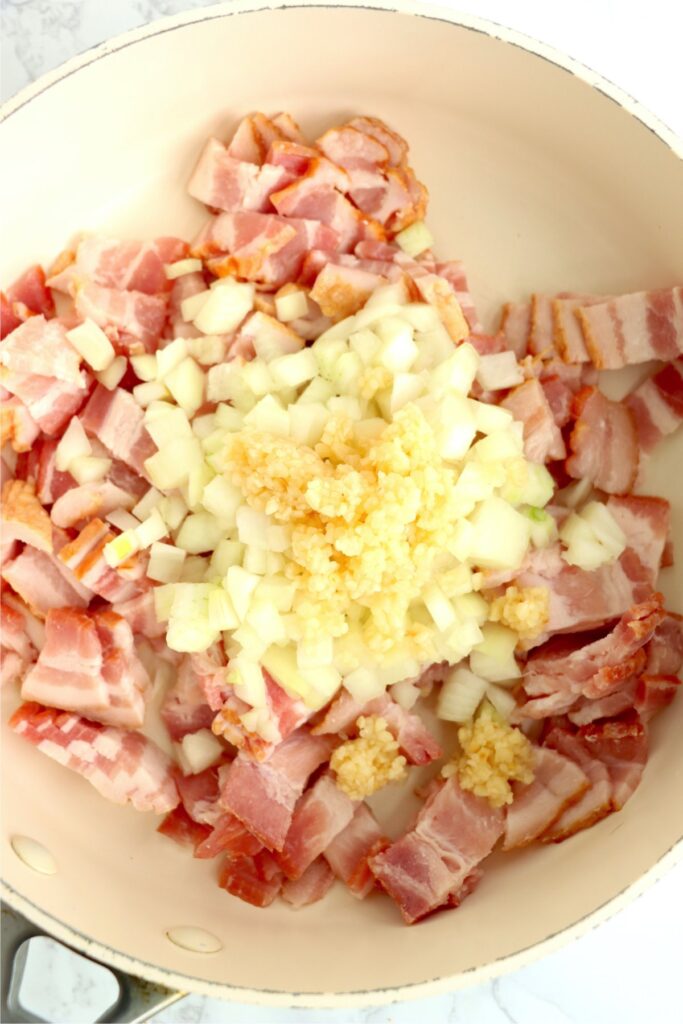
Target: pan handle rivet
(196,940)
(34,855)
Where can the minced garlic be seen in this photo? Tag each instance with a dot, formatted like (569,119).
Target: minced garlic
(368,763)
(526,610)
(493,754)
(369,517)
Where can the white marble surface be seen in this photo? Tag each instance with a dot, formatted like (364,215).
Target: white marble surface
(626,971)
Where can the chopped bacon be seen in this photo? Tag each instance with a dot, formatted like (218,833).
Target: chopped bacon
(116,419)
(23,518)
(621,699)
(185,709)
(226,183)
(261,246)
(12,667)
(665,649)
(256,880)
(454,832)
(51,482)
(603,443)
(542,438)
(657,405)
(256,133)
(515,325)
(341,291)
(311,887)
(263,795)
(83,559)
(440,293)
(349,852)
(49,402)
(453,271)
(654,693)
(184,287)
(568,335)
(124,767)
(128,266)
(311,199)
(621,744)
(94,499)
(13,633)
(395,146)
(9,316)
(228,836)
(43,582)
(138,318)
(595,803)
(320,815)
(30,291)
(17,426)
(634,328)
(182,829)
(199,794)
(41,344)
(646,522)
(140,614)
(126,677)
(558,782)
(559,397)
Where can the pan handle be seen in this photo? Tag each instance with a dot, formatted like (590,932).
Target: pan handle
(138,999)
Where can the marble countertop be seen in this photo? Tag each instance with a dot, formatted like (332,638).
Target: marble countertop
(627,970)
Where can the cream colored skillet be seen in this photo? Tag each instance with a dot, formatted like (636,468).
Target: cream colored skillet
(543,177)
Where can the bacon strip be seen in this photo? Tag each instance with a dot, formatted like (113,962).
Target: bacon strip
(603,443)
(350,851)
(311,887)
(558,783)
(634,328)
(319,816)
(529,404)
(657,405)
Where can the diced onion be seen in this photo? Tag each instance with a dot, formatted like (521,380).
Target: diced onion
(415,238)
(182,267)
(186,384)
(291,306)
(73,444)
(114,373)
(199,750)
(499,370)
(92,344)
(152,529)
(122,520)
(460,696)
(144,366)
(493,658)
(225,308)
(165,563)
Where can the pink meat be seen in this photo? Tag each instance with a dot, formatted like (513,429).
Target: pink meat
(18,428)
(68,673)
(42,344)
(515,325)
(49,402)
(140,614)
(319,816)
(116,419)
(12,667)
(454,832)
(634,328)
(665,649)
(621,744)
(311,199)
(567,332)
(29,290)
(646,523)
(657,405)
(558,783)
(51,482)
(311,887)
(603,443)
(226,183)
(128,266)
(285,714)
(256,133)
(228,836)
(87,500)
(199,795)
(124,767)
(256,880)
(559,397)
(595,803)
(263,795)
(620,700)
(542,438)
(262,246)
(43,582)
(349,852)
(137,318)
(13,633)
(179,826)
(83,559)
(184,287)
(654,693)
(454,272)
(185,709)
(126,678)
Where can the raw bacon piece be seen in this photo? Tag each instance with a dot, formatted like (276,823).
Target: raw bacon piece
(41,344)
(353,149)
(199,795)
(653,694)
(13,634)
(51,482)
(313,197)
(349,852)
(43,582)
(395,145)
(226,183)
(634,328)
(23,518)
(124,674)
(646,522)
(228,836)
(603,443)
(30,291)
(12,667)
(128,266)
(596,802)
(138,318)
(94,499)
(341,291)
(621,744)
(665,649)
(586,711)
(567,334)
(185,709)
(320,815)
(140,614)
(515,325)
(256,880)
(256,133)
(17,426)
(184,287)
(311,887)
(180,827)
(49,402)
(453,271)
(9,316)
(68,673)
(124,767)
(414,739)
(263,795)
(657,405)
(558,783)
(542,438)
(116,419)
(559,397)
(82,559)
(454,832)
